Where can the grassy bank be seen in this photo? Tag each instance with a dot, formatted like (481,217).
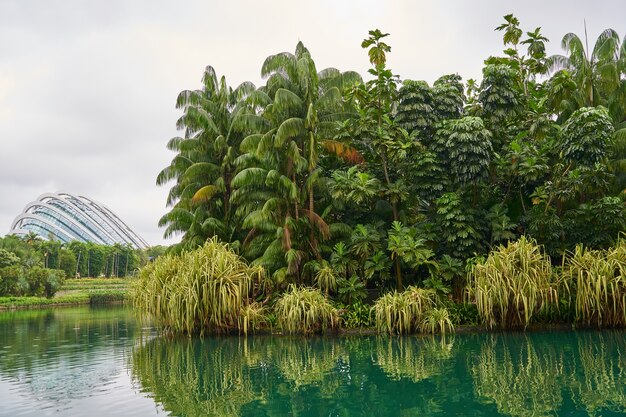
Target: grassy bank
(75,291)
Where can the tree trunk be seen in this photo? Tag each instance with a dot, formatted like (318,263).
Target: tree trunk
(399,285)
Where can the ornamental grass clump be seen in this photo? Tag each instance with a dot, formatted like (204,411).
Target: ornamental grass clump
(437,320)
(600,280)
(305,310)
(413,310)
(205,290)
(512,285)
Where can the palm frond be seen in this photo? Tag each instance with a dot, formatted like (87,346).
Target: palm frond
(204,194)
(343,151)
(254,176)
(276,63)
(288,102)
(200,170)
(317,222)
(289,129)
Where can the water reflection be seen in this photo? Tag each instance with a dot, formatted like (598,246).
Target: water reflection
(197,377)
(599,382)
(296,376)
(50,360)
(539,375)
(97,362)
(412,358)
(506,374)
(520,378)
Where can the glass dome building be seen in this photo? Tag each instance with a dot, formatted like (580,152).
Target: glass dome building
(68,217)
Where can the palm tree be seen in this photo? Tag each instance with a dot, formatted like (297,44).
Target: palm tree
(599,75)
(204,165)
(279,172)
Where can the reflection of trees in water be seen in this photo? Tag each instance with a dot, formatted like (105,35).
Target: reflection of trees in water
(520,380)
(413,358)
(309,362)
(288,375)
(220,376)
(521,375)
(532,379)
(190,377)
(31,339)
(601,381)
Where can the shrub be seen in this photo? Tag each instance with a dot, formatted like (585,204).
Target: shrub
(465,313)
(512,285)
(305,310)
(106,296)
(437,320)
(403,312)
(253,316)
(8,258)
(53,282)
(13,281)
(198,291)
(357,315)
(36,277)
(600,280)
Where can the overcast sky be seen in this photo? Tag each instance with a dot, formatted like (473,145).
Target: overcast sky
(87,88)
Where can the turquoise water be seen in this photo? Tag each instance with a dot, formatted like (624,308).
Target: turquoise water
(78,362)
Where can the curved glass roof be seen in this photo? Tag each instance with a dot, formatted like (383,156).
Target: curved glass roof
(68,217)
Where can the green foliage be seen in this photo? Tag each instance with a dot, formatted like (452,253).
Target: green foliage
(305,310)
(13,281)
(357,315)
(437,320)
(351,290)
(354,187)
(106,296)
(31,301)
(303,175)
(599,277)
(459,232)
(35,281)
(325,277)
(405,245)
(415,108)
(499,94)
(8,258)
(341,260)
(468,149)
(464,313)
(409,311)
(592,77)
(200,291)
(67,262)
(253,316)
(512,285)
(448,97)
(586,136)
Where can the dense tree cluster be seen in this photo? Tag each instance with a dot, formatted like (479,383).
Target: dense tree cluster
(322,177)
(74,258)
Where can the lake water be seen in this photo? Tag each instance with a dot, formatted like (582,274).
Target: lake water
(100,362)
